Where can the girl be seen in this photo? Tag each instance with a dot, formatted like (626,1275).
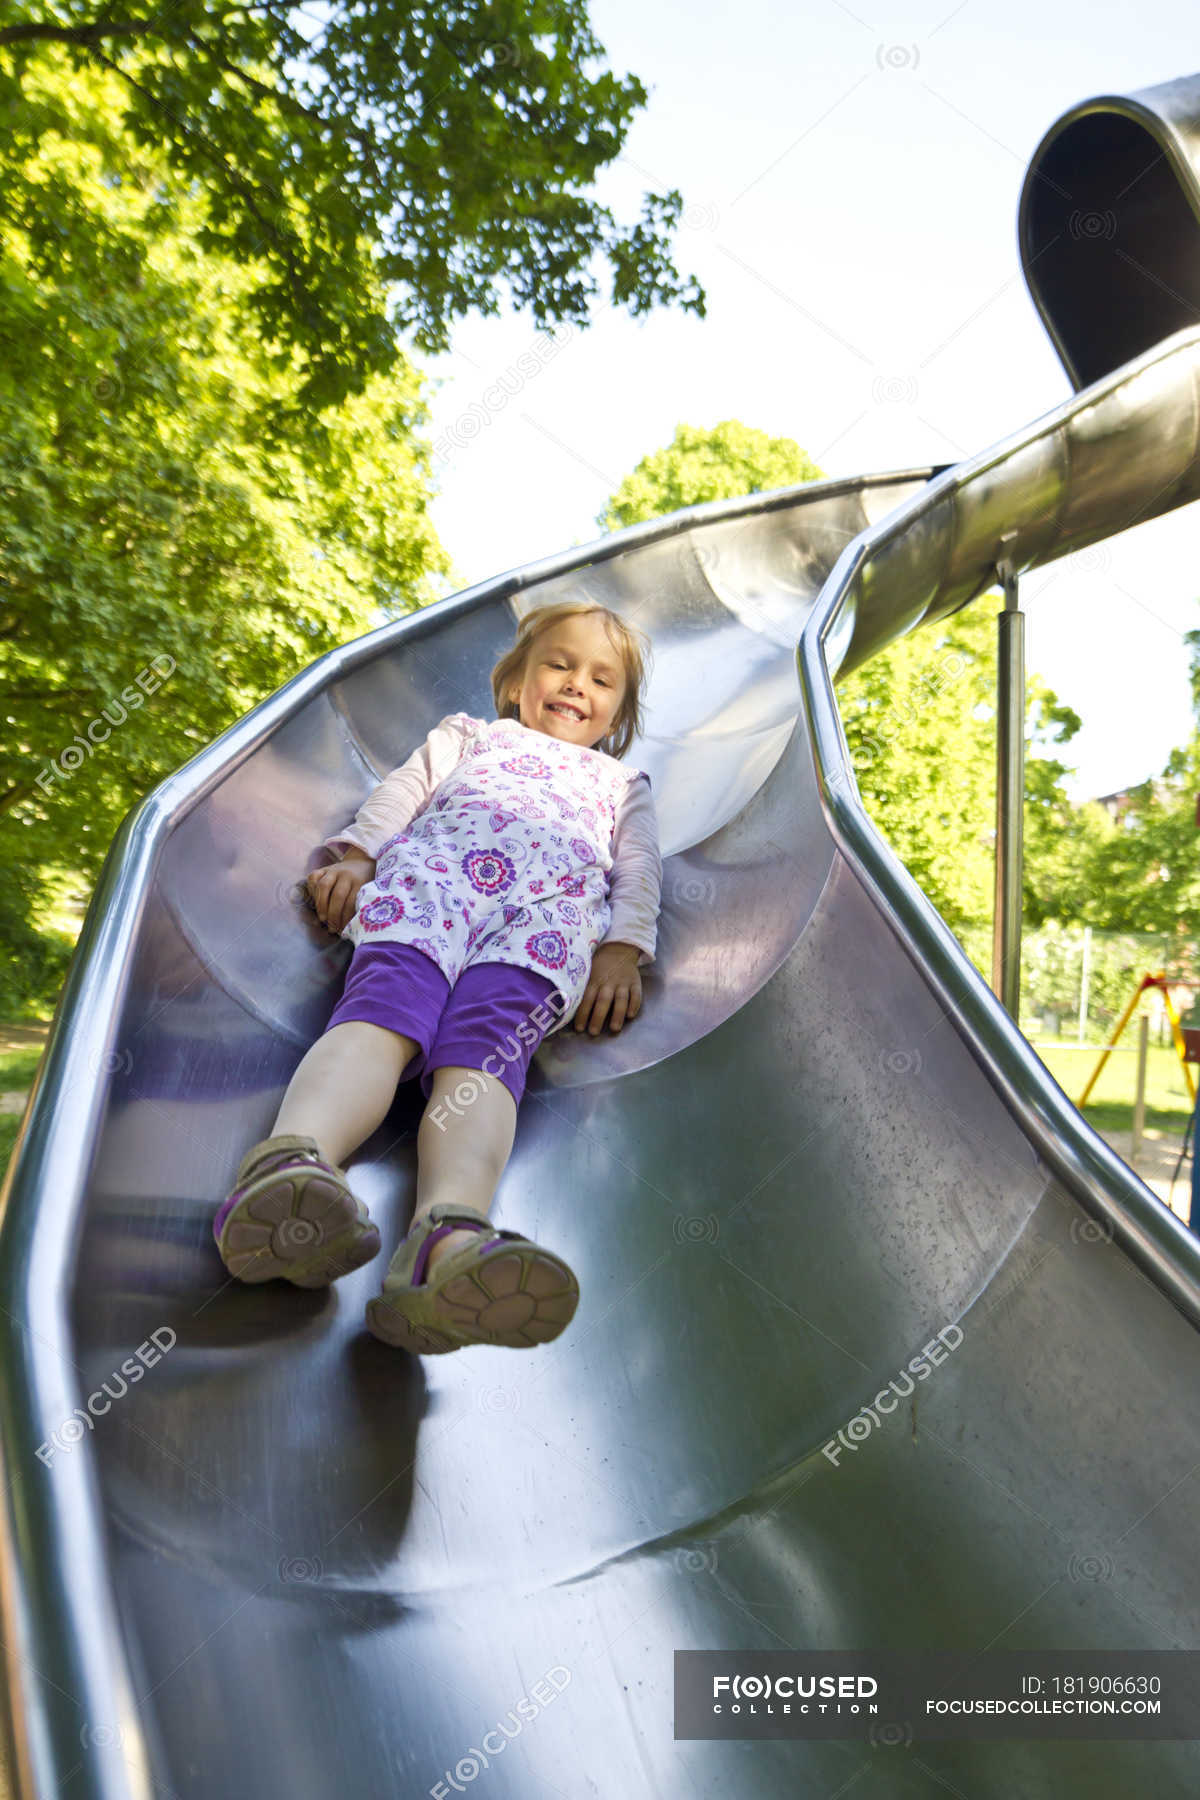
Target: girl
(476,883)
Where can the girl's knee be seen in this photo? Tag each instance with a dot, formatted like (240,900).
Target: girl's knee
(454,1090)
(357,1040)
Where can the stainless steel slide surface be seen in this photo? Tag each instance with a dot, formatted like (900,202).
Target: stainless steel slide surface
(290,1561)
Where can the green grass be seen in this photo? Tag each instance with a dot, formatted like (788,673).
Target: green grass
(18,1068)
(10,1124)
(1110,1105)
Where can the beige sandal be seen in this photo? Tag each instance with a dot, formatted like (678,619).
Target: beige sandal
(503,1289)
(292,1215)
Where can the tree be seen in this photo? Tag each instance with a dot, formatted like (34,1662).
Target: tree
(162,572)
(919,720)
(1142,872)
(699,463)
(1062,840)
(434,149)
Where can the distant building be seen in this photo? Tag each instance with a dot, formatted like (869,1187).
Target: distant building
(1119,804)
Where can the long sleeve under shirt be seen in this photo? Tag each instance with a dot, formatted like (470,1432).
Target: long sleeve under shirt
(635,881)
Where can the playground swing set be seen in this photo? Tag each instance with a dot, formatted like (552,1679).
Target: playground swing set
(1187,1043)
(1187,1048)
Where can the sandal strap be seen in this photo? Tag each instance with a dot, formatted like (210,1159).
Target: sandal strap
(270,1152)
(441,1219)
(434,1236)
(450,1209)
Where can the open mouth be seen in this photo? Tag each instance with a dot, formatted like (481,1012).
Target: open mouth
(566,712)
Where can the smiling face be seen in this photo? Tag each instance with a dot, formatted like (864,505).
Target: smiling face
(574,681)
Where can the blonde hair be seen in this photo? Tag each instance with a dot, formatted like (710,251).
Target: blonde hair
(628,642)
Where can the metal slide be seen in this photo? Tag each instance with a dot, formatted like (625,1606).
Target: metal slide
(291,1562)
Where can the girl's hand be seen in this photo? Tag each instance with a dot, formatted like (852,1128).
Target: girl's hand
(614,982)
(334,889)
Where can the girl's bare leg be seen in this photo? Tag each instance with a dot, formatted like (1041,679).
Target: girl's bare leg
(343,1087)
(463,1147)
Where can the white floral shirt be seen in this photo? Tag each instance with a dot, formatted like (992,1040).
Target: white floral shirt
(498,843)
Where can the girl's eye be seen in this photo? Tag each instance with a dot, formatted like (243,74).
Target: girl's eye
(600,680)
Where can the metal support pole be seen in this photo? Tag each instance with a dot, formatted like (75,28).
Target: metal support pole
(1010,796)
(1139,1097)
(1083,982)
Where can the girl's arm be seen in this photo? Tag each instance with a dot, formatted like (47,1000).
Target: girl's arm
(401,795)
(635,881)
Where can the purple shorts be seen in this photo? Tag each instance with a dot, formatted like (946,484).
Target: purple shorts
(470,1026)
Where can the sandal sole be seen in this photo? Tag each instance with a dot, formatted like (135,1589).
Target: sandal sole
(300,1228)
(514,1297)
(391,1326)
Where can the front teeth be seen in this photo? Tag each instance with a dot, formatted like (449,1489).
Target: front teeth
(564,713)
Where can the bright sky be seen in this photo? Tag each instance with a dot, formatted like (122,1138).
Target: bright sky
(850,179)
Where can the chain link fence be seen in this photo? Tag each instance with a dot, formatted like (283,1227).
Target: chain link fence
(1076,982)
